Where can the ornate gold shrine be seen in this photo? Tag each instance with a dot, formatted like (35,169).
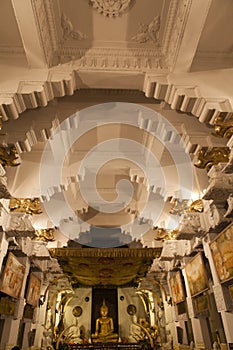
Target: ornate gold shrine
(105,267)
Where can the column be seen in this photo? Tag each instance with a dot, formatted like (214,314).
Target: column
(199,325)
(11,326)
(220,294)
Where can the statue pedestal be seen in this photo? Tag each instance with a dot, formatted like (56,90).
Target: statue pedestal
(105,346)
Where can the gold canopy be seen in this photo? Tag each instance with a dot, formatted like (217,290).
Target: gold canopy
(105,267)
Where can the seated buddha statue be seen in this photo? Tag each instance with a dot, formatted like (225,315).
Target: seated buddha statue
(104,327)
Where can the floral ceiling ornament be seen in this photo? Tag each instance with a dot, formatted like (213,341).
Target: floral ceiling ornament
(148,32)
(68,29)
(110,8)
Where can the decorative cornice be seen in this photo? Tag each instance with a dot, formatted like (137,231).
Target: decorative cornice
(11,50)
(115,59)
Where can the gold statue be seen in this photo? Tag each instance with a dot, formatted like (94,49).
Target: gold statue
(223,128)
(163,234)
(9,155)
(25,205)
(196,206)
(45,235)
(104,327)
(208,158)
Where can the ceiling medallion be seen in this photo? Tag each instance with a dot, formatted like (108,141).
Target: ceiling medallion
(110,8)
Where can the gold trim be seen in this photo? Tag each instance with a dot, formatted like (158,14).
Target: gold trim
(206,158)
(25,205)
(106,252)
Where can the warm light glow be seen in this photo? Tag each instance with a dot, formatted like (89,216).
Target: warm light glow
(195,196)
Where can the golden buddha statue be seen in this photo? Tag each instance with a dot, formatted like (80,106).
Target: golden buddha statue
(104,328)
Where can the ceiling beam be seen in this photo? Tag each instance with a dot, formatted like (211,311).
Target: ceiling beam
(191,34)
(30,35)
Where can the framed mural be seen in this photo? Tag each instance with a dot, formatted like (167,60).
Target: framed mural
(13,275)
(202,303)
(231,291)
(196,275)
(177,288)
(222,252)
(33,291)
(7,306)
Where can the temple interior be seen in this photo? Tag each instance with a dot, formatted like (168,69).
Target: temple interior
(116,174)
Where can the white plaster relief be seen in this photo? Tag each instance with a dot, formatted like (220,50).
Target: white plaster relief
(68,29)
(111,8)
(219,298)
(45,20)
(178,13)
(220,187)
(39,249)
(229,211)
(148,32)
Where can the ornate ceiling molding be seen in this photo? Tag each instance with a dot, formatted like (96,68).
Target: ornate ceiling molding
(148,32)
(111,58)
(111,8)
(176,21)
(44,12)
(11,50)
(68,29)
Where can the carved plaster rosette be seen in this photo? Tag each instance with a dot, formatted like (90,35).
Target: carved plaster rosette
(110,8)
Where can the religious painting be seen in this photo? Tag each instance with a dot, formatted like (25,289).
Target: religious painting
(7,306)
(231,291)
(181,308)
(33,291)
(28,312)
(196,275)
(13,275)
(222,252)
(177,288)
(202,303)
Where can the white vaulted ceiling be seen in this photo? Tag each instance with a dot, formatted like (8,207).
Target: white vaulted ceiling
(58,51)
